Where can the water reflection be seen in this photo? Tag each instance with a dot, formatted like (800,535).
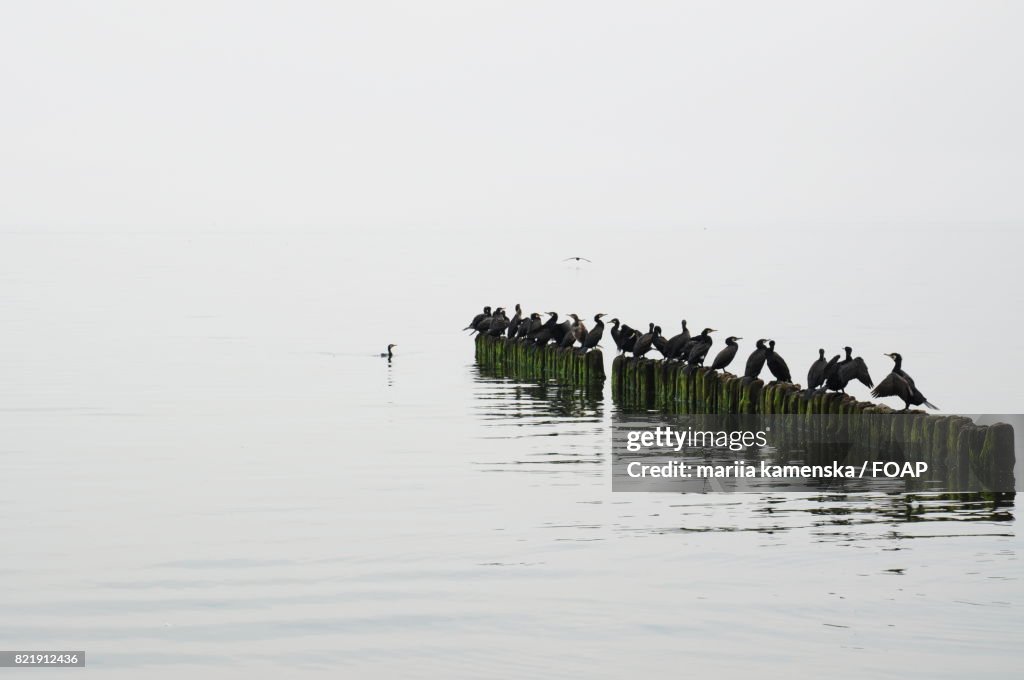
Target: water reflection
(552,424)
(510,398)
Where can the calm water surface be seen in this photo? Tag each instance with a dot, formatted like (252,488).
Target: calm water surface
(206,469)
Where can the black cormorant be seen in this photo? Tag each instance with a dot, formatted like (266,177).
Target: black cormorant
(725,357)
(660,343)
(579,329)
(833,381)
(485,323)
(629,338)
(855,369)
(900,384)
(479,317)
(699,346)
(676,342)
(576,258)
(568,338)
(594,336)
(645,341)
(625,339)
(389,354)
(560,331)
(547,330)
(755,362)
(513,325)
(616,334)
(777,365)
(816,373)
(499,322)
(530,325)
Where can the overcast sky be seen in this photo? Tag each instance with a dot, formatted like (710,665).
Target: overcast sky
(147,115)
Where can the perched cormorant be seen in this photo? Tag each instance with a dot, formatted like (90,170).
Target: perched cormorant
(660,343)
(755,362)
(833,381)
(547,330)
(629,342)
(560,331)
(528,326)
(816,373)
(725,357)
(645,341)
(499,322)
(477,319)
(627,338)
(570,336)
(855,369)
(777,365)
(485,323)
(513,325)
(594,336)
(900,384)
(389,354)
(616,334)
(676,342)
(699,347)
(579,330)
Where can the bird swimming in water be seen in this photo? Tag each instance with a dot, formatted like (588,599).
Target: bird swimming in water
(755,362)
(477,319)
(389,354)
(777,365)
(900,384)
(725,357)
(576,258)
(594,336)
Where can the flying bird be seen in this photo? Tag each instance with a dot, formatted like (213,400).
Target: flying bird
(576,258)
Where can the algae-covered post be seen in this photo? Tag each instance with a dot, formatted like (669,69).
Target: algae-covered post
(526,361)
(969,452)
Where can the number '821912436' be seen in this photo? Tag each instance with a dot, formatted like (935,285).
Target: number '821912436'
(45,659)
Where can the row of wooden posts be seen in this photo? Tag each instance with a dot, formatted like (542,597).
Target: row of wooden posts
(955,443)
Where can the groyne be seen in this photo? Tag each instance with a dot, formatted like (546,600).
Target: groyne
(871,431)
(526,361)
